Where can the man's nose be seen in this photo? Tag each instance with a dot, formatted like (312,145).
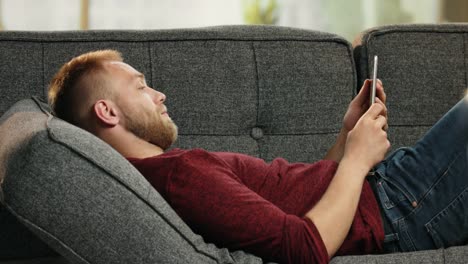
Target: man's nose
(159,97)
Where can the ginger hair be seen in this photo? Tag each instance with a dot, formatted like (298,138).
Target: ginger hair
(79,84)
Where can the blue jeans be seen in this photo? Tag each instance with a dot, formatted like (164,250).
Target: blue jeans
(423,190)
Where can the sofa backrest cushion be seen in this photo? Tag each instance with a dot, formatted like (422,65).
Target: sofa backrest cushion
(85,200)
(423,69)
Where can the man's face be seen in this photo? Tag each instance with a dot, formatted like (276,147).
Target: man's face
(141,108)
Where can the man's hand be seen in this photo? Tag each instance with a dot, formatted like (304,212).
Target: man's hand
(360,104)
(367,142)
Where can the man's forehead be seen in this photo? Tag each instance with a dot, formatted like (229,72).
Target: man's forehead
(122,66)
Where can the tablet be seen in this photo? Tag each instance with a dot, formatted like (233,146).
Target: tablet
(374,81)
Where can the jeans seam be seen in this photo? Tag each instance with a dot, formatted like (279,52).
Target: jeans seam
(424,196)
(456,200)
(434,235)
(406,237)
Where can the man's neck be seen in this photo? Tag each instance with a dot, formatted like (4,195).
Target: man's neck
(131,146)
(140,149)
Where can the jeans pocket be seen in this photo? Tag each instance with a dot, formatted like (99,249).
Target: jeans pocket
(450,226)
(389,193)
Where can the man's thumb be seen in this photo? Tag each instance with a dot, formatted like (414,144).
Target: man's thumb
(374,110)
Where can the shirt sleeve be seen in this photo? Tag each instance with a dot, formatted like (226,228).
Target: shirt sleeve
(215,204)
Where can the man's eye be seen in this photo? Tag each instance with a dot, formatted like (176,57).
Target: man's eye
(142,88)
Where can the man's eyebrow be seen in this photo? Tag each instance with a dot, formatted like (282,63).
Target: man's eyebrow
(140,75)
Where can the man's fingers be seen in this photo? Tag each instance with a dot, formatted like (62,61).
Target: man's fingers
(364,89)
(382,122)
(375,110)
(380,93)
(378,112)
(379,90)
(365,85)
(385,110)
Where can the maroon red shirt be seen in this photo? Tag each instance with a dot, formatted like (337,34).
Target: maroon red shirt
(241,202)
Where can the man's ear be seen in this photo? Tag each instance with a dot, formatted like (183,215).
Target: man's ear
(106,112)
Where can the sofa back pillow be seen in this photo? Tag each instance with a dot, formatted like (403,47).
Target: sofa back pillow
(17,242)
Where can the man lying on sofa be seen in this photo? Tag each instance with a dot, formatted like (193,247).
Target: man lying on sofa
(283,212)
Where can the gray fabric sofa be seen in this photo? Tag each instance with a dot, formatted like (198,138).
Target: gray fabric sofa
(67,197)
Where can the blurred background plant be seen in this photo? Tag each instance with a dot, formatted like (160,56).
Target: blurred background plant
(260,12)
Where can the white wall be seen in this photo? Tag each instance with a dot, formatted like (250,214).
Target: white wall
(40,15)
(119,14)
(343,17)
(303,14)
(148,14)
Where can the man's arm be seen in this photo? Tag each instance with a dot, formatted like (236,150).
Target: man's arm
(366,145)
(337,150)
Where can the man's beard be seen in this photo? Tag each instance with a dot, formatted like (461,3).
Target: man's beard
(151,127)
